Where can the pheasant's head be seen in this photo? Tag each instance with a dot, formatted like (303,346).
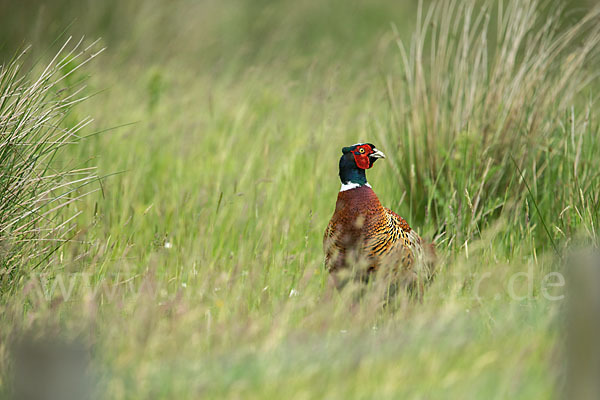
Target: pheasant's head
(363,154)
(355,160)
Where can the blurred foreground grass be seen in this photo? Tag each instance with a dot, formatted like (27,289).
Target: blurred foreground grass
(197,271)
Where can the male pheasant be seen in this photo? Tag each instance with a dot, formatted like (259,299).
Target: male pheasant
(363,234)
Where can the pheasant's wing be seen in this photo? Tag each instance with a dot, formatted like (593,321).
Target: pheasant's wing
(383,236)
(422,258)
(394,238)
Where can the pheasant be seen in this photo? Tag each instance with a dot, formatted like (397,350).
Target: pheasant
(364,234)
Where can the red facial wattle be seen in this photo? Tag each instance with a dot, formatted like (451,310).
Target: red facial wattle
(361,156)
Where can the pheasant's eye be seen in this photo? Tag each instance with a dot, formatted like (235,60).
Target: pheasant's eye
(361,150)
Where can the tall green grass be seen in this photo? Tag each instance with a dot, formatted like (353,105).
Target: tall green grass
(484,92)
(34,126)
(199,272)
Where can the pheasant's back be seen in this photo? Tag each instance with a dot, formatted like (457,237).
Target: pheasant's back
(362,228)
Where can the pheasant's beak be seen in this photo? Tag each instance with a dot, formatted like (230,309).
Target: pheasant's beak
(377,154)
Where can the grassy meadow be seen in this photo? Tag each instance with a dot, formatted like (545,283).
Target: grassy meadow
(174,249)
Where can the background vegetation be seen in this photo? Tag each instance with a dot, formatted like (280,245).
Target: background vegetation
(194,267)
